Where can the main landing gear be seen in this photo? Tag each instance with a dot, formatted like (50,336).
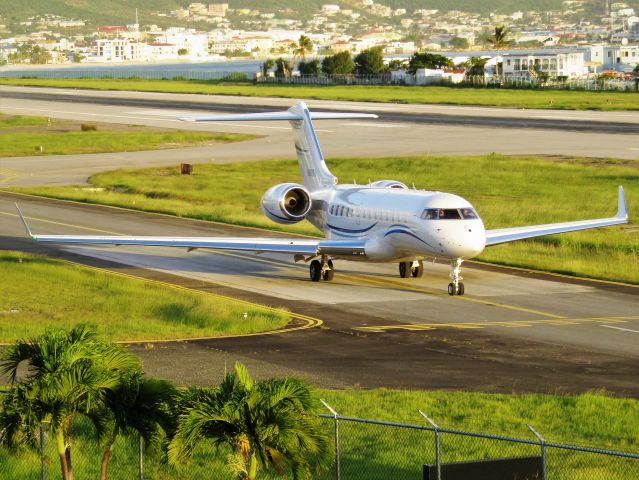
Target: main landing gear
(415,269)
(322,270)
(455,287)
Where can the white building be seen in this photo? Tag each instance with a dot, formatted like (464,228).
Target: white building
(195,44)
(613,57)
(555,64)
(330,9)
(114,50)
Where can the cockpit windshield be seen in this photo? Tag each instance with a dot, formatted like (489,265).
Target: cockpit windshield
(449,214)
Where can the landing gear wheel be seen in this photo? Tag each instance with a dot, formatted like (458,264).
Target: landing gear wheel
(417,269)
(328,273)
(404,269)
(316,270)
(451,289)
(460,289)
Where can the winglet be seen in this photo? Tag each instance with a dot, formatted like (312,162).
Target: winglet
(24,222)
(622,211)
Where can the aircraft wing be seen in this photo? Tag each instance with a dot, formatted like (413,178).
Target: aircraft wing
(503,235)
(296,246)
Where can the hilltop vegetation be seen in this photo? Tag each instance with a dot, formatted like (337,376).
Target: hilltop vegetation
(105,12)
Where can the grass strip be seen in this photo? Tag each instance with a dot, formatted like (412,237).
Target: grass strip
(506,98)
(29,143)
(37,292)
(373,452)
(506,190)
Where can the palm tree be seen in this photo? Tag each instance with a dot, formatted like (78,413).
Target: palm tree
(272,423)
(138,405)
(303,46)
(69,373)
(499,40)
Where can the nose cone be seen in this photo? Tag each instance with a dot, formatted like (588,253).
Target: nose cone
(467,241)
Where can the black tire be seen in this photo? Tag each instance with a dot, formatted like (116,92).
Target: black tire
(404,269)
(460,289)
(451,289)
(417,271)
(315,270)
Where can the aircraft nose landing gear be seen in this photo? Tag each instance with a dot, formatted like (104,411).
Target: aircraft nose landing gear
(322,270)
(456,287)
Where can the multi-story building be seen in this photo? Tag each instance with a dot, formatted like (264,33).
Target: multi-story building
(613,57)
(554,64)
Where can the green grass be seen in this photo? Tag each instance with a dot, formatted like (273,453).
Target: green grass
(37,292)
(371,452)
(28,143)
(510,98)
(14,121)
(507,191)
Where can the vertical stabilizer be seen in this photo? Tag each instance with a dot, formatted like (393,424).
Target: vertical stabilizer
(313,169)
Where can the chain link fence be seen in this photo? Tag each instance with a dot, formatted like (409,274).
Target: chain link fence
(592,83)
(363,449)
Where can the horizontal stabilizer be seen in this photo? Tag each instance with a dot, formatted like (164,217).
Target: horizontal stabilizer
(287,115)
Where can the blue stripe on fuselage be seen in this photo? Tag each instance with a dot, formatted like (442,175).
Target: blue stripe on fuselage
(390,232)
(348,231)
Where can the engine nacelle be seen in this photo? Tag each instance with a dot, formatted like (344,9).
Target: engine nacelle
(286,203)
(389,184)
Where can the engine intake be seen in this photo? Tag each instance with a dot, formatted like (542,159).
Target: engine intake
(286,203)
(389,184)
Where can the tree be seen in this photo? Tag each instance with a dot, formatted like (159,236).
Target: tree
(272,423)
(182,51)
(428,60)
(475,66)
(499,40)
(303,46)
(370,61)
(396,64)
(312,67)
(138,405)
(33,53)
(69,374)
(459,43)
(268,64)
(283,68)
(339,64)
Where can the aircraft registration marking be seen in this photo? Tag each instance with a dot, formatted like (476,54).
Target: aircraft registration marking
(501,324)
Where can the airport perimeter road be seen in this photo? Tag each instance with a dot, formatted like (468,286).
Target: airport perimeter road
(400,130)
(514,331)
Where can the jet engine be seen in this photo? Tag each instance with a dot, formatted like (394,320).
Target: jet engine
(389,184)
(286,203)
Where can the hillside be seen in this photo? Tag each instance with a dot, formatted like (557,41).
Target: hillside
(123,11)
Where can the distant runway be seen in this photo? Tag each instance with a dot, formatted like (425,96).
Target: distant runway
(579,121)
(400,130)
(514,331)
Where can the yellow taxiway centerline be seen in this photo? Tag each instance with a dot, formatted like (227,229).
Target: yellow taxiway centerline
(351,279)
(488,324)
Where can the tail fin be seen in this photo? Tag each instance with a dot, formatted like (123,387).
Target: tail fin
(313,169)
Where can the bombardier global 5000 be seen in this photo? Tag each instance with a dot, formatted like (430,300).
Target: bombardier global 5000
(383,221)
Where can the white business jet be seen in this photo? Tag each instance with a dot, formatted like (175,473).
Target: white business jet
(383,221)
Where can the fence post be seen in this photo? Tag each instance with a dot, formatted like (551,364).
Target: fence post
(338,474)
(542,443)
(43,469)
(140,457)
(438,460)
